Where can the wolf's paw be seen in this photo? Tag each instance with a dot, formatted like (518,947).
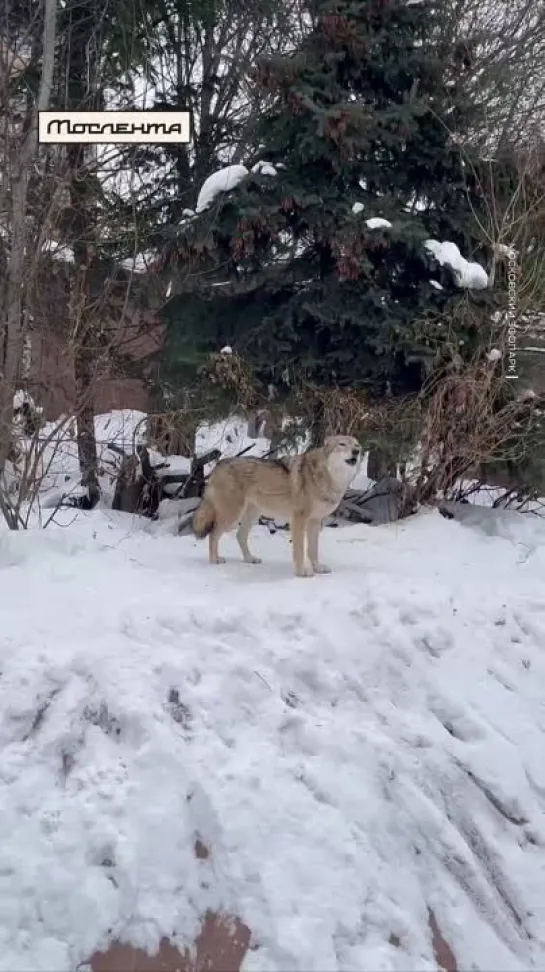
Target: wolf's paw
(219,560)
(321,569)
(305,571)
(253,560)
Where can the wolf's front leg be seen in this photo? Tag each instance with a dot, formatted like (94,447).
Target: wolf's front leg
(313,533)
(298,525)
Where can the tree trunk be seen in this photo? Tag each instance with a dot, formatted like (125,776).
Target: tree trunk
(83,95)
(85,352)
(318,426)
(12,292)
(85,422)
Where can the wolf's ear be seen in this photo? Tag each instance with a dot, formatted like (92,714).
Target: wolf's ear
(330,444)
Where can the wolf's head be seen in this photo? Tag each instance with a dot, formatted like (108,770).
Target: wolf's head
(343,454)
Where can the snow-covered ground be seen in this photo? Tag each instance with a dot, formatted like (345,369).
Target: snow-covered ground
(354,749)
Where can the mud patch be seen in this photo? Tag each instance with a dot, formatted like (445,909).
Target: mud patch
(443,954)
(220,946)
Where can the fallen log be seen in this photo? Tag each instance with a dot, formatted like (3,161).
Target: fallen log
(194,482)
(138,488)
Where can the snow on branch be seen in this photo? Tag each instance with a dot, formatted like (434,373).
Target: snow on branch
(224,180)
(470,276)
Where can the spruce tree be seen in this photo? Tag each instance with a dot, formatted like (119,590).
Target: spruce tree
(363,125)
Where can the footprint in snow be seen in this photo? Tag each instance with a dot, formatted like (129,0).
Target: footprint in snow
(179,712)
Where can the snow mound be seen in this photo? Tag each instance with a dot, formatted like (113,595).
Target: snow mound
(470,276)
(527,533)
(358,208)
(353,750)
(229,437)
(221,181)
(125,428)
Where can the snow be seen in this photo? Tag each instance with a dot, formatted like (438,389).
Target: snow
(494,354)
(357,208)
(352,749)
(176,464)
(470,276)
(140,262)
(221,181)
(226,350)
(230,438)
(188,215)
(344,783)
(22,397)
(376,222)
(125,428)
(436,285)
(500,249)
(418,204)
(59,251)
(264,168)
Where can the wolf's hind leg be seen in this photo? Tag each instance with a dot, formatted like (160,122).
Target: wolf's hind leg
(249,517)
(213,541)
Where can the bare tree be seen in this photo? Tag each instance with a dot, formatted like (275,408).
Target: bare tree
(499,58)
(83,42)
(19,156)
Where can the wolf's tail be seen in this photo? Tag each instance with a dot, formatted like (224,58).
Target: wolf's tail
(204,519)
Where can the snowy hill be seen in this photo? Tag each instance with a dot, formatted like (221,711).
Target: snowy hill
(356,752)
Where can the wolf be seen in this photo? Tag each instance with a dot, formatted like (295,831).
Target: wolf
(305,489)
